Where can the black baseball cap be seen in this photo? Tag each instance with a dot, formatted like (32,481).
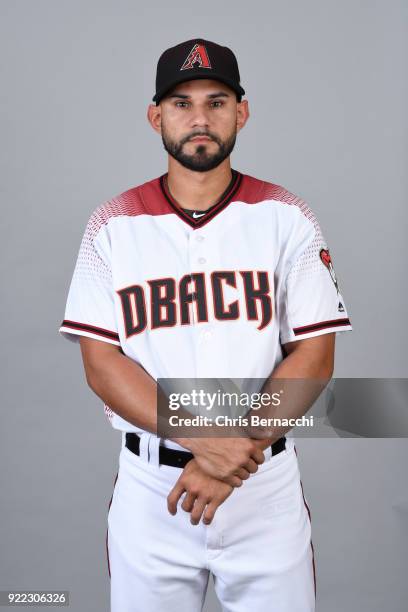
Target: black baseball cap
(196,59)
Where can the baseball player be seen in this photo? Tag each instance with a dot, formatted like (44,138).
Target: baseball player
(203,272)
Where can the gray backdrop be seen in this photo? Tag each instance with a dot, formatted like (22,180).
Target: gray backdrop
(327,90)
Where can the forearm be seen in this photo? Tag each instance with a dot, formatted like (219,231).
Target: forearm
(303,374)
(310,377)
(127,389)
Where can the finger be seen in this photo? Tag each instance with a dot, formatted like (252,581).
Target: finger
(210,512)
(188,502)
(198,509)
(233,481)
(251,466)
(242,473)
(258,456)
(173,497)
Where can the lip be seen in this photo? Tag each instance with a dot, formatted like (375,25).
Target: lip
(200,139)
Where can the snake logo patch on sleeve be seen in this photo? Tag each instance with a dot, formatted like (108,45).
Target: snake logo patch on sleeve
(327,261)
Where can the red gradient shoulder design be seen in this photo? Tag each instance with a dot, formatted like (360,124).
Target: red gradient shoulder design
(151,198)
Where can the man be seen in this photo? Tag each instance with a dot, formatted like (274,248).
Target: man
(204,272)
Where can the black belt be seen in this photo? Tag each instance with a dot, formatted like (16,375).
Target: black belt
(177,458)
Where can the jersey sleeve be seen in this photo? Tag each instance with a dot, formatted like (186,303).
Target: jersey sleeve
(90,306)
(310,301)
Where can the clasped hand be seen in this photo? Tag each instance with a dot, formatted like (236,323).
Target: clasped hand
(219,465)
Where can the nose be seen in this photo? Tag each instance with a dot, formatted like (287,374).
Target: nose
(199,118)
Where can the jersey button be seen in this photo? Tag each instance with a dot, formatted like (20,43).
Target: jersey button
(199,238)
(202,260)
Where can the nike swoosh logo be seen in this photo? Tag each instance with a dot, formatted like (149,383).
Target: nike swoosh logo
(196,216)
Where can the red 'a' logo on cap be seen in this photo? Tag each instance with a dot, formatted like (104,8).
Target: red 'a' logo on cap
(198,54)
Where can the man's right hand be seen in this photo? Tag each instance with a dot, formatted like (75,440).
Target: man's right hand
(231,460)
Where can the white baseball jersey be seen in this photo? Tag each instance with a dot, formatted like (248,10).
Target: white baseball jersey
(211,296)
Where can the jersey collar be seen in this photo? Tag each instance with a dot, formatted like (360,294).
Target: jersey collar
(216,208)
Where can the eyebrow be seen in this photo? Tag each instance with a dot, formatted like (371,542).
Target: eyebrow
(219,94)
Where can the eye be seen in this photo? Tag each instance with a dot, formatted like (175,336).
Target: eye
(184,104)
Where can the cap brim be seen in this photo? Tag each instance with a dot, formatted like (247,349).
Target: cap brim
(192,77)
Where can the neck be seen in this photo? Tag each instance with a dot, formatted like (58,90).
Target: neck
(197,190)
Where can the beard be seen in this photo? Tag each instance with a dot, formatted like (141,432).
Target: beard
(201,160)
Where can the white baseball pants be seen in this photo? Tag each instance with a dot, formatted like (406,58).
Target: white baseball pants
(258,547)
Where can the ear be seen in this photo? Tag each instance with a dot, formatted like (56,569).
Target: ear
(154,117)
(242,114)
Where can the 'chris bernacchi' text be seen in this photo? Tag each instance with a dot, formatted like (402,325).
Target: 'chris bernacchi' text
(226,421)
